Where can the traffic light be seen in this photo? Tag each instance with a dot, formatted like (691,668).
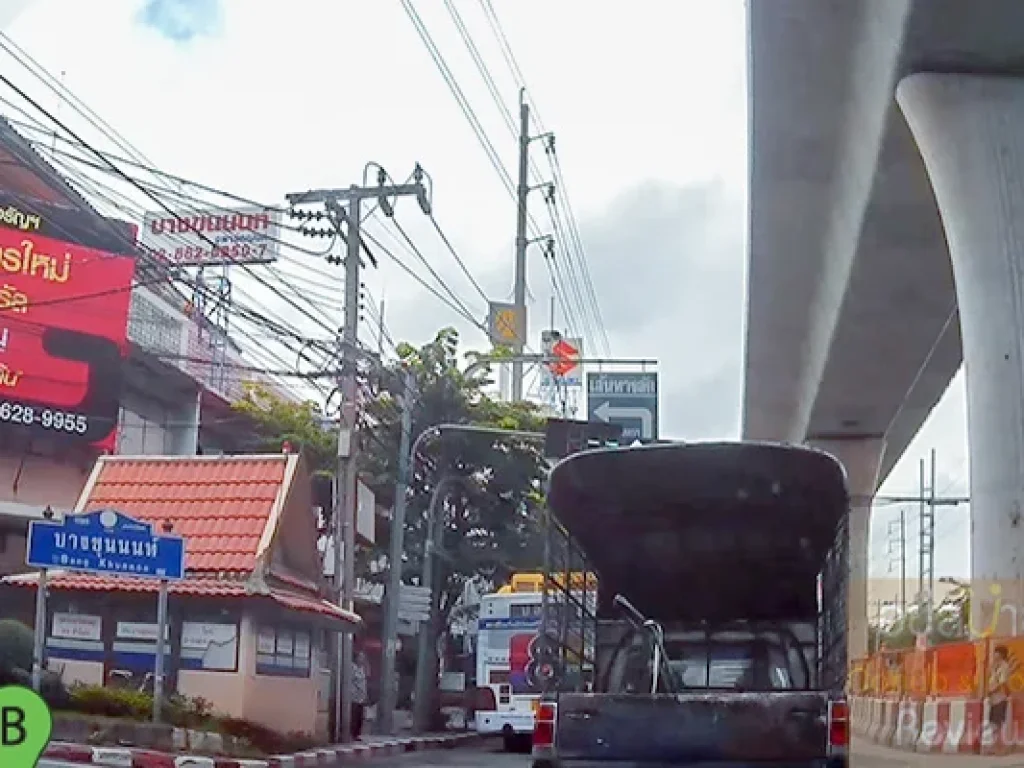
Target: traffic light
(564,437)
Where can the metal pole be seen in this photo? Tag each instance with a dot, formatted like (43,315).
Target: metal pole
(336,538)
(38,644)
(437,429)
(922,541)
(931,547)
(346,503)
(424,662)
(903,564)
(522,195)
(389,695)
(161,650)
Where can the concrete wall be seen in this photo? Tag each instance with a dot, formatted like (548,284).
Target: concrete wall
(264,695)
(39,480)
(282,703)
(73,671)
(12,552)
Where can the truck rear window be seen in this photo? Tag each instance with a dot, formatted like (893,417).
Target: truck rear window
(753,665)
(729,666)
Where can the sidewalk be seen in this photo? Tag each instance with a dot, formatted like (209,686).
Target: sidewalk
(370,747)
(868,754)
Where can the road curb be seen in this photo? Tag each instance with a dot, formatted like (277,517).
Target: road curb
(344,754)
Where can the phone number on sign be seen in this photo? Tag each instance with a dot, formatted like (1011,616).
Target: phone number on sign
(47,418)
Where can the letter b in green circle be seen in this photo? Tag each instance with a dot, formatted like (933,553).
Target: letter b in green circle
(25,726)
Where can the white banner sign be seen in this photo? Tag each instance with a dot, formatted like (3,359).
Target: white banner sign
(74,626)
(215,644)
(366,512)
(138,630)
(213,236)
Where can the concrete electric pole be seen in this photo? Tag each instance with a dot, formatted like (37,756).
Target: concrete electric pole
(345,501)
(898,531)
(388,693)
(522,196)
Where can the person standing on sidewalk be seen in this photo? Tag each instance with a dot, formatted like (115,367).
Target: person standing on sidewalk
(360,692)
(999,695)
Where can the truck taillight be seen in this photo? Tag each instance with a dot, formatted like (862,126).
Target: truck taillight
(485,701)
(544,726)
(838,724)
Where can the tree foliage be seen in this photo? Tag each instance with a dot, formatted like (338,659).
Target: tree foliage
(494,482)
(277,421)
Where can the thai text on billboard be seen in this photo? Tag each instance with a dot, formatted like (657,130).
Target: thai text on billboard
(215,236)
(63,337)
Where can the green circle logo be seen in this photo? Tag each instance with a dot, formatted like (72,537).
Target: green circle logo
(25,727)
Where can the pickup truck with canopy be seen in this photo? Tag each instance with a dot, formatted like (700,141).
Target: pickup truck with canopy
(717,636)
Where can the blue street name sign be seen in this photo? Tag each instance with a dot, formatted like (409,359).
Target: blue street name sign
(106,542)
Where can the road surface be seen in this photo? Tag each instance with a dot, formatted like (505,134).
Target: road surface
(864,756)
(492,756)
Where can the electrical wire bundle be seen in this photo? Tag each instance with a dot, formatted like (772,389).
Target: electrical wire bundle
(286,315)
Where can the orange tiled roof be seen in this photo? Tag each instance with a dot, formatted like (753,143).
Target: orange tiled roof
(191,587)
(221,505)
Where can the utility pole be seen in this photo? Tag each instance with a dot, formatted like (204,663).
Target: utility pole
(903,564)
(898,540)
(926,536)
(388,694)
(522,195)
(426,650)
(346,476)
(931,546)
(434,542)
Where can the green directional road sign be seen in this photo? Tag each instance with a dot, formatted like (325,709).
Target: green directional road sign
(629,400)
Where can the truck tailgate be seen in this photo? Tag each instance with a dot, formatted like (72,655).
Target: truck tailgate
(783,726)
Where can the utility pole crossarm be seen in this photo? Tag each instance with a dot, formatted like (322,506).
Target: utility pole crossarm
(315,196)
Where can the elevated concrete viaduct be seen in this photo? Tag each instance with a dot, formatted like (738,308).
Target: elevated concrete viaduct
(886,169)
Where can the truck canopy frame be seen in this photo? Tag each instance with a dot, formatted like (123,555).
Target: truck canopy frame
(703,533)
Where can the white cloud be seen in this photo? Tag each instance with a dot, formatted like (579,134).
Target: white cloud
(647,100)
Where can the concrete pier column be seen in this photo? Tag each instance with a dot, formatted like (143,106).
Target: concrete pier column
(970,131)
(862,459)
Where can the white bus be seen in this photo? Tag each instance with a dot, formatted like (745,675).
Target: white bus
(511,662)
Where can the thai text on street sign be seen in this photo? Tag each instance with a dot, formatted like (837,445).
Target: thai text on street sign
(214,236)
(627,399)
(107,542)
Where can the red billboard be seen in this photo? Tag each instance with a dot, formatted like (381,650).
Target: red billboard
(63,337)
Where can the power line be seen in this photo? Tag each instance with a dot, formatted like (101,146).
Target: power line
(423,259)
(461,311)
(475,124)
(575,243)
(7,81)
(200,290)
(458,259)
(244,312)
(488,79)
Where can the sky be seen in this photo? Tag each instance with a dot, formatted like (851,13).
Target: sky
(649,111)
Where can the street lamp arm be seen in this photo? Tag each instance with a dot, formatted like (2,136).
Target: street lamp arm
(437,429)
